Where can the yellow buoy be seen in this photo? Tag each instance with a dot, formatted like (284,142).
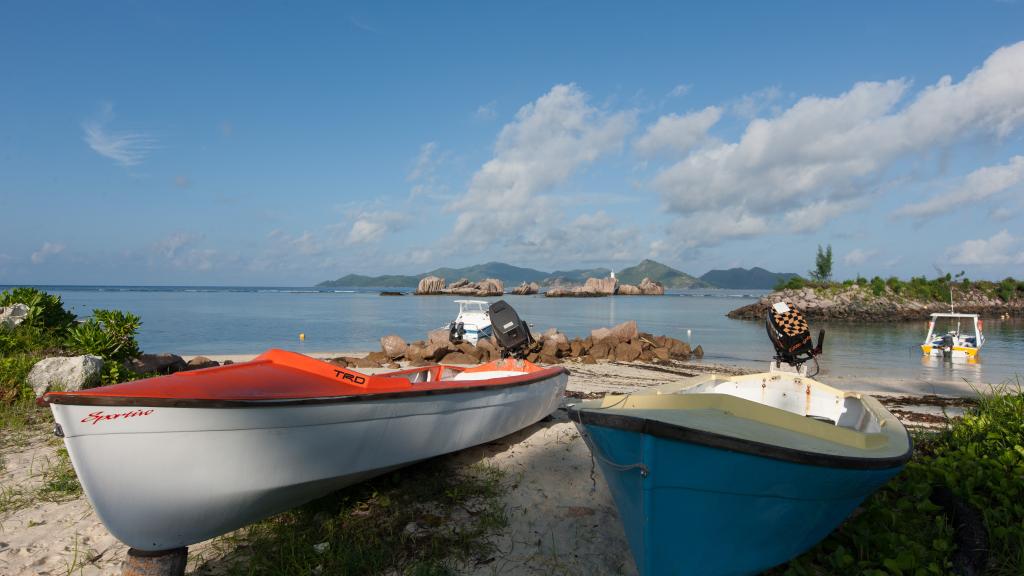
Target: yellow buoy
(302,335)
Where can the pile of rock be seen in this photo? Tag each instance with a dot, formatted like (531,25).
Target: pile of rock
(525,289)
(621,343)
(593,287)
(860,304)
(608,287)
(431,285)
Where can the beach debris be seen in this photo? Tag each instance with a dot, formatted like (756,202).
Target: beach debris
(66,372)
(13,315)
(321,547)
(200,362)
(163,363)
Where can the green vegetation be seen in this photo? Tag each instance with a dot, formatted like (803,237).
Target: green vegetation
(658,272)
(50,330)
(822,265)
(426,519)
(741,278)
(918,287)
(899,530)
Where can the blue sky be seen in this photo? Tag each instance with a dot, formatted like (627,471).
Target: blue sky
(286,143)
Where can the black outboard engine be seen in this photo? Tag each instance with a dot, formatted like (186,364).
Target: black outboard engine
(513,334)
(791,336)
(456,332)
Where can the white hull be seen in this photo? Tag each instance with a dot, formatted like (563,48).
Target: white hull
(177,476)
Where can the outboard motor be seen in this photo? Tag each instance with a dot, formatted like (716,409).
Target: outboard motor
(791,336)
(512,333)
(456,332)
(947,344)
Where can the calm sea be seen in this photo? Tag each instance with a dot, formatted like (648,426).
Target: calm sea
(242,320)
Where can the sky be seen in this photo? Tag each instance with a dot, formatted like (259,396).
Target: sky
(286,143)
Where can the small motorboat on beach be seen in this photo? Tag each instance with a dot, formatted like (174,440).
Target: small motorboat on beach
(735,474)
(956,342)
(174,460)
(472,323)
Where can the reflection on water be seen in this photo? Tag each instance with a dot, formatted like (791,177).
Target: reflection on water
(248,320)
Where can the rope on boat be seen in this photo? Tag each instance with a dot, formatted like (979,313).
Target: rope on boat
(644,470)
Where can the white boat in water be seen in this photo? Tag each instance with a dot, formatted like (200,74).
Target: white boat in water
(959,336)
(472,323)
(174,460)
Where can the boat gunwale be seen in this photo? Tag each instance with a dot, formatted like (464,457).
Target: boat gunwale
(72,399)
(589,416)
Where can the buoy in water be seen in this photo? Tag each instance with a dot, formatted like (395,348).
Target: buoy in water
(302,335)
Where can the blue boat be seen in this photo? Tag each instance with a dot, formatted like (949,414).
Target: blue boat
(736,474)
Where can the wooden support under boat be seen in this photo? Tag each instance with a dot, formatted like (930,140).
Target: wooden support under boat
(160,563)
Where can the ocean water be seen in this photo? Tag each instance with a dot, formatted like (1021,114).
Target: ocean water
(244,320)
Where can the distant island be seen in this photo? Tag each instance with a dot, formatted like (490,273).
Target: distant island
(742,278)
(513,275)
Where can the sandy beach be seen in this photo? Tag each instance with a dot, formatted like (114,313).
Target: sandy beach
(561,517)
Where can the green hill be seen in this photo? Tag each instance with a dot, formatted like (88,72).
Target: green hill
(578,276)
(360,281)
(740,278)
(668,276)
(510,275)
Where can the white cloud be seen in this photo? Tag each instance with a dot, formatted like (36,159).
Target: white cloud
(858,256)
(1002,248)
(751,105)
(425,162)
(679,91)
(821,153)
(169,246)
(125,148)
(549,140)
(678,134)
(45,251)
(1001,214)
(369,227)
(486,111)
(978,185)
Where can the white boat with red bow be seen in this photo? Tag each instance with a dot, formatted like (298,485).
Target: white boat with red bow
(174,460)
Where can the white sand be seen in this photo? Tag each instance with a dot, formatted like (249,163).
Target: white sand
(562,519)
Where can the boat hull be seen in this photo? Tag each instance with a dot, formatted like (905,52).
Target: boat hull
(694,509)
(161,477)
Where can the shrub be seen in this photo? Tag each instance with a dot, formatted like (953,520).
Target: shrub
(109,334)
(45,310)
(877,286)
(794,283)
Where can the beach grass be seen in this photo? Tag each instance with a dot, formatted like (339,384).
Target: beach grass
(902,529)
(426,519)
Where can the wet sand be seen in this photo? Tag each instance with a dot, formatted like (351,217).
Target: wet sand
(561,515)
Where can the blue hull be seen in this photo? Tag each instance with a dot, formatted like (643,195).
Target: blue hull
(694,509)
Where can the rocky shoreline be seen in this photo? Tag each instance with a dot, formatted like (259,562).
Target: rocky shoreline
(594,287)
(859,304)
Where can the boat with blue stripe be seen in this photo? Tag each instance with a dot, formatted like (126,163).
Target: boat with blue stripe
(720,475)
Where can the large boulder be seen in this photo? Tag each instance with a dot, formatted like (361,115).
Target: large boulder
(626,331)
(200,362)
(602,286)
(393,345)
(649,287)
(598,334)
(163,363)
(66,372)
(13,315)
(525,289)
(490,287)
(627,290)
(430,285)
(459,358)
(627,351)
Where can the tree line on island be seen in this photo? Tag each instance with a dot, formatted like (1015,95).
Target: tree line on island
(666,276)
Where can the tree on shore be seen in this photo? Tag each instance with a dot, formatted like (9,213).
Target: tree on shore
(822,265)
